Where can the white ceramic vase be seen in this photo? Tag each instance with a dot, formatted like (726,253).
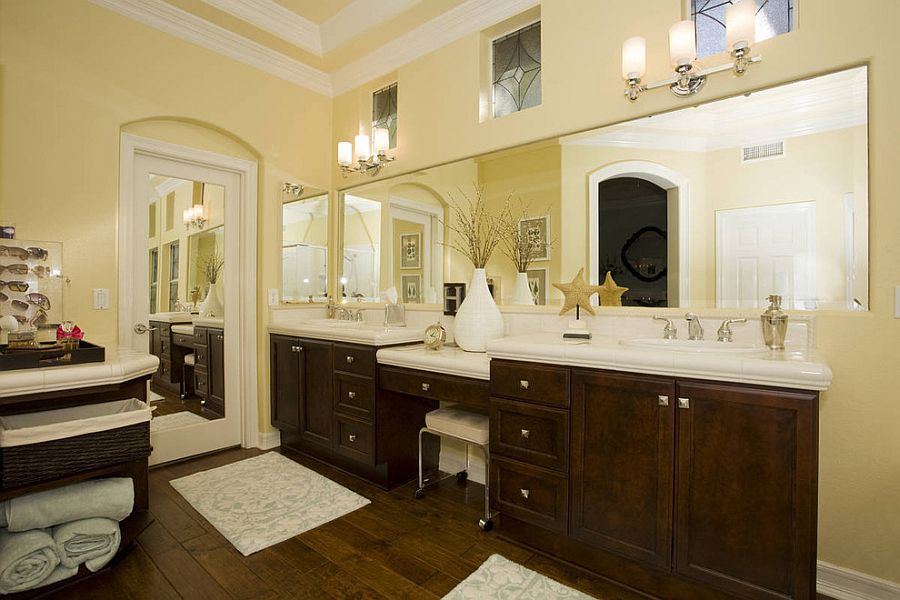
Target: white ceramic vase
(211,305)
(478,320)
(522,291)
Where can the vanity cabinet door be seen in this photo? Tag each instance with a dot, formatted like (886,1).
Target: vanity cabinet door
(746,499)
(216,356)
(316,398)
(622,463)
(285,382)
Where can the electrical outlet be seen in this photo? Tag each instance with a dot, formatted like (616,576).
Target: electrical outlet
(101,298)
(273,296)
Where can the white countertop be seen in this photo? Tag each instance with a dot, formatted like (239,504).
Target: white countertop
(172,317)
(366,333)
(183,329)
(209,322)
(120,366)
(449,360)
(800,368)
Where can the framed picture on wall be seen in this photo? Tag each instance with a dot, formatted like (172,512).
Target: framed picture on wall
(537,282)
(412,288)
(411,251)
(537,231)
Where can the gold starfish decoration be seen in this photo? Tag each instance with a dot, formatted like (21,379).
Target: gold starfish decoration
(610,293)
(578,293)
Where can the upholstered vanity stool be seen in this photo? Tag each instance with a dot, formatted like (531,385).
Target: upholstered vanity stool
(187,376)
(466,426)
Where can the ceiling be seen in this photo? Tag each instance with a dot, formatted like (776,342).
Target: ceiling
(328,46)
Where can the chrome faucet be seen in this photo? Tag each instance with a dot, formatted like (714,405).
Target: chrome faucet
(669,331)
(342,312)
(724,334)
(695,330)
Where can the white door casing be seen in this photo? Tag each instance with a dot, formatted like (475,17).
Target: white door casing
(432,239)
(140,156)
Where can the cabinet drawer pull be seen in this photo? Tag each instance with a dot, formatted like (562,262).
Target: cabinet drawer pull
(525,493)
(352,437)
(524,384)
(350,360)
(526,433)
(296,348)
(684,403)
(220,337)
(426,387)
(351,395)
(663,400)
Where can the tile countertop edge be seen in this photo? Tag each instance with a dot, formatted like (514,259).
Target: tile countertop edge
(446,361)
(118,368)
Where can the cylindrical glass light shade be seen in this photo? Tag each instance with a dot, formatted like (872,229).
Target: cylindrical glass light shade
(188,215)
(740,24)
(382,140)
(361,144)
(682,43)
(345,153)
(634,58)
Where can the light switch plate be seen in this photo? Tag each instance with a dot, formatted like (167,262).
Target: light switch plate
(273,296)
(101,298)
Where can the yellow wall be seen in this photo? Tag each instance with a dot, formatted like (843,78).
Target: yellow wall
(859,491)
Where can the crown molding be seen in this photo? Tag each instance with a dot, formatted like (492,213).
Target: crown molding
(270,16)
(193,29)
(467,18)
(357,17)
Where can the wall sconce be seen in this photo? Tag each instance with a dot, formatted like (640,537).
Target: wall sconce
(292,191)
(195,217)
(367,161)
(740,27)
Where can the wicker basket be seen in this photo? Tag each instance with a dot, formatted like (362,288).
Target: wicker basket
(101,444)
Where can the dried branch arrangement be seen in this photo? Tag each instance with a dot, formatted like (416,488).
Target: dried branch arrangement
(211,264)
(478,231)
(518,247)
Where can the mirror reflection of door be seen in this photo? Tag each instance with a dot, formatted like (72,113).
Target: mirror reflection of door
(186,248)
(360,267)
(304,250)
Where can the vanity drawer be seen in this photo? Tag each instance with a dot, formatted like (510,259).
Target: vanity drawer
(354,438)
(354,359)
(530,381)
(201,356)
(471,392)
(201,382)
(164,370)
(199,336)
(532,494)
(533,434)
(183,339)
(354,395)
(165,346)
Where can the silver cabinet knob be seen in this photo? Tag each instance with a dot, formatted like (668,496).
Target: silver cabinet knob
(351,395)
(426,387)
(526,433)
(684,403)
(524,384)
(220,337)
(352,437)
(350,360)
(525,493)
(296,348)
(663,400)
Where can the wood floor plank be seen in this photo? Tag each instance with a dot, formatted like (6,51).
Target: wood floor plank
(228,569)
(181,570)
(440,584)
(339,584)
(179,522)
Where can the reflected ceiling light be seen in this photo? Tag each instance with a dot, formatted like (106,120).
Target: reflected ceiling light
(740,29)
(369,159)
(195,217)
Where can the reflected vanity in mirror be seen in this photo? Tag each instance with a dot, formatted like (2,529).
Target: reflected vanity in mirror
(304,245)
(716,205)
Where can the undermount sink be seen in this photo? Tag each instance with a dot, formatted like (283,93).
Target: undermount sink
(710,346)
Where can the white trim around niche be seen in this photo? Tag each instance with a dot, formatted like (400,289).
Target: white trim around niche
(665,178)
(133,145)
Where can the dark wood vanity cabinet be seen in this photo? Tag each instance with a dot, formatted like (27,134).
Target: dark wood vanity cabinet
(684,489)
(209,367)
(301,388)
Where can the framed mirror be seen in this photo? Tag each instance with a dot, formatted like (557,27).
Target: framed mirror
(715,205)
(304,246)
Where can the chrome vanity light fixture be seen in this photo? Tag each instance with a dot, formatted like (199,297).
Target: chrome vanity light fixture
(740,23)
(195,217)
(367,160)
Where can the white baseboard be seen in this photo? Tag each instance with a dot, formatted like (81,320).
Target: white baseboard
(845,584)
(268,440)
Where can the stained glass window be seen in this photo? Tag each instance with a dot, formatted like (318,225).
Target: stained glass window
(384,111)
(517,70)
(773,17)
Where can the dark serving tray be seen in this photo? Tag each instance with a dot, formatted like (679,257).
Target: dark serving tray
(49,355)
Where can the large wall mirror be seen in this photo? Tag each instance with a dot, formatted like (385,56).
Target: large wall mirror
(716,205)
(304,246)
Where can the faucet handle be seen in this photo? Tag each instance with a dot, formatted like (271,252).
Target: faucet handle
(669,332)
(724,334)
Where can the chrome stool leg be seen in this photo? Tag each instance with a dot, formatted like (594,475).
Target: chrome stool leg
(420,493)
(487,523)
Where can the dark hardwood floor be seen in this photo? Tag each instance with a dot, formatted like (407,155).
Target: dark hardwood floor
(395,547)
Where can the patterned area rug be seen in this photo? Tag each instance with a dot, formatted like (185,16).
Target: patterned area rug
(502,578)
(154,397)
(174,421)
(261,501)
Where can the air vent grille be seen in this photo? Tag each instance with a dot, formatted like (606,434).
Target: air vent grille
(761,151)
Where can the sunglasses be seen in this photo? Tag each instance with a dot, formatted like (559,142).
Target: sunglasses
(18,304)
(15,286)
(39,300)
(18,269)
(24,253)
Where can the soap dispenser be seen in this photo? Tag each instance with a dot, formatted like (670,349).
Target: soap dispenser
(774,324)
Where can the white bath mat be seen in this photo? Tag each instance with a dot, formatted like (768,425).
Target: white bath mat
(174,421)
(502,578)
(261,501)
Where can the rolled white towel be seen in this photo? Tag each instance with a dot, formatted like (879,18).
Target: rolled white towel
(112,498)
(26,560)
(90,541)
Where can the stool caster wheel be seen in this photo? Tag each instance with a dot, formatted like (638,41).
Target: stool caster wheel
(461,477)
(420,493)
(486,524)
